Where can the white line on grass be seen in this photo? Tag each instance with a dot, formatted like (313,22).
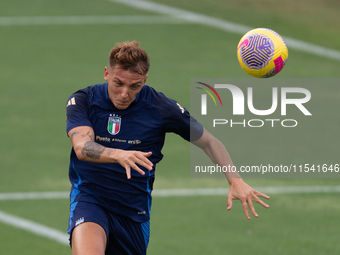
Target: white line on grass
(89,20)
(179,192)
(224,191)
(173,16)
(62,238)
(226,26)
(34,227)
(34,195)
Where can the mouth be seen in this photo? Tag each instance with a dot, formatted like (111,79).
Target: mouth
(123,102)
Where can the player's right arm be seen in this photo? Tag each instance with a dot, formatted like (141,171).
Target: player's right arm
(87,149)
(80,131)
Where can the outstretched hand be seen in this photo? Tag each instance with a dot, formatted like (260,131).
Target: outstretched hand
(131,159)
(242,191)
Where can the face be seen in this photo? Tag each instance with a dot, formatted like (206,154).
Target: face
(123,86)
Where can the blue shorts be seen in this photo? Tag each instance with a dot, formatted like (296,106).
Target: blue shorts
(124,236)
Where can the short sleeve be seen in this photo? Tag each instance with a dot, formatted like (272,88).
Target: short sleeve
(196,129)
(77,111)
(177,119)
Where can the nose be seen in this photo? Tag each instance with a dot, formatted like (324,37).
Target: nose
(124,93)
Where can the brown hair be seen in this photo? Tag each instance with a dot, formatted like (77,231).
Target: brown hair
(130,56)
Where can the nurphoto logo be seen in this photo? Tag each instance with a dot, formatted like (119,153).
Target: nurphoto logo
(280,99)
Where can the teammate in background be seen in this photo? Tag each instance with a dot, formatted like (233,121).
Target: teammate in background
(117,130)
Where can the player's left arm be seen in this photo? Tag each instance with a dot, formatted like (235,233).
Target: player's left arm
(238,189)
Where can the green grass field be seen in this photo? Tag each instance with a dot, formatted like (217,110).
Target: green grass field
(42,64)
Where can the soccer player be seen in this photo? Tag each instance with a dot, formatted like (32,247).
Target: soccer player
(117,130)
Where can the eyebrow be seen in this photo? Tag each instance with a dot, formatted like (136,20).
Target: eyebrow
(136,83)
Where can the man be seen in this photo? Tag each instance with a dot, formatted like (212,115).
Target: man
(117,130)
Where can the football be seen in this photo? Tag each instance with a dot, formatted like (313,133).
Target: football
(262,52)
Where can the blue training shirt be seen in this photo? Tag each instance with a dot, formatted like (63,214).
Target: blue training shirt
(142,126)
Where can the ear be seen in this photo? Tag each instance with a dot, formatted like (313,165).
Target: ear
(106,73)
(146,76)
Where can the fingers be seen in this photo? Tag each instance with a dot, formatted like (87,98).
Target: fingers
(259,201)
(144,161)
(252,209)
(135,167)
(259,194)
(230,202)
(245,209)
(128,172)
(131,159)
(140,158)
(247,202)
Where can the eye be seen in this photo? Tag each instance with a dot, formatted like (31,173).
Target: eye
(118,83)
(134,87)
